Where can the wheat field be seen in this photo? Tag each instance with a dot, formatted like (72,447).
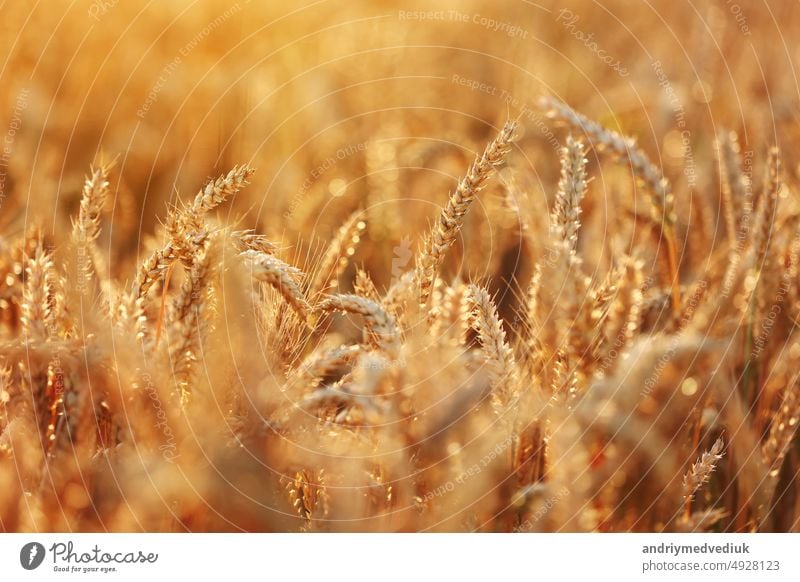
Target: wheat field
(400,266)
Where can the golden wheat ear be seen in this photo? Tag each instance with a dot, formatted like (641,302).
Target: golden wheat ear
(572,188)
(736,189)
(451,219)
(500,362)
(700,472)
(625,149)
(768,203)
(186,229)
(39,278)
(86,228)
(281,276)
(381,326)
(338,254)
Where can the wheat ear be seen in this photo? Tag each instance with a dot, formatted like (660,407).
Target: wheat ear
(451,219)
(248,240)
(339,251)
(215,193)
(189,316)
(185,226)
(701,471)
(86,229)
(35,293)
(625,149)
(364,286)
(571,190)
(381,327)
(781,435)
(500,362)
(281,276)
(736,188)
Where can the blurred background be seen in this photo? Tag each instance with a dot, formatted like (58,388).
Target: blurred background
(347,104)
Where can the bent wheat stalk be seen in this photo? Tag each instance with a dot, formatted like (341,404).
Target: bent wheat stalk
(381,326)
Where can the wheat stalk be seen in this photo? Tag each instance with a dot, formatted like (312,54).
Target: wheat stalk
(765,219)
